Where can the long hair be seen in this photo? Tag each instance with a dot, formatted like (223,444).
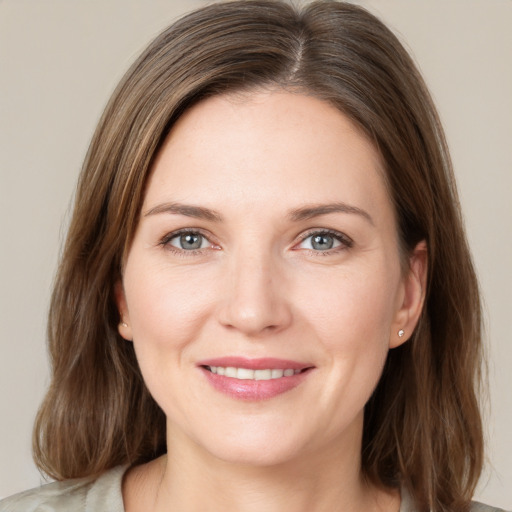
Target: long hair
(422,426)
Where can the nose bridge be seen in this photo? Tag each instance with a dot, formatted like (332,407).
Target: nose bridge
(255,299)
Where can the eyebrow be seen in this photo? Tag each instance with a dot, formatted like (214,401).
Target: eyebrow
(296,215)
(316,210)
(198,212)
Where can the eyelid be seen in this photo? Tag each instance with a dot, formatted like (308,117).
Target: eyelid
(166,239)
(345,241)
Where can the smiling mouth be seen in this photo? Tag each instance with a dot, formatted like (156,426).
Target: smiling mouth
(249,374)
(254,379)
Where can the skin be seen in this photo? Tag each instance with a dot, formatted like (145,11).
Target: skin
(258,287)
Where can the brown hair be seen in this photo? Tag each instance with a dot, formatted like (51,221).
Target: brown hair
(422,425)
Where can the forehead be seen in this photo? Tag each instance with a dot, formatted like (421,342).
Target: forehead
(266,147)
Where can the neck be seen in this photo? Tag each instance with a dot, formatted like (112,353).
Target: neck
(323,480)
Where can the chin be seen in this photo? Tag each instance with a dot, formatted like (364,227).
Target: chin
(251,444)
(257,454)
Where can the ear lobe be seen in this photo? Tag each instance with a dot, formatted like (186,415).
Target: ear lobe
(123,327)
(414,290)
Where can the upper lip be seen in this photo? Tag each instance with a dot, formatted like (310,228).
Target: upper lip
(263,363)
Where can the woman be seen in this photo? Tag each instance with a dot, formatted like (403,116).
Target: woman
(266,293)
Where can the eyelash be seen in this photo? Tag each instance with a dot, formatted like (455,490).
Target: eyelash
(345,241)
(165,242)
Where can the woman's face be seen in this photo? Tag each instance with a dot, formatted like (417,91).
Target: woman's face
(263,288)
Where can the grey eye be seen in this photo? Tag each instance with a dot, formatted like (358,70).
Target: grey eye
(189,241)
(322,242)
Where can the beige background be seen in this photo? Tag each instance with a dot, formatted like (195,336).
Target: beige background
(59,61)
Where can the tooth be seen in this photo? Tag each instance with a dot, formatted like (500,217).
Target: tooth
(263,374)
(230,372)
(277,374)
(244,374)
(248,374)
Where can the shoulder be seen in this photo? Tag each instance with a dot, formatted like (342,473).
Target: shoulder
(480,507)
(82,495)
(408,506)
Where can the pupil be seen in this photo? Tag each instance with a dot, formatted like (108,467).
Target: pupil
(322,242)
(190,241)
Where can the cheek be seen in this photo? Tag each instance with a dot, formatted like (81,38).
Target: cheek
(352,317)
(167,307)
(351,310)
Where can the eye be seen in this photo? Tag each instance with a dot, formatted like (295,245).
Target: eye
(322,241)
(188,241)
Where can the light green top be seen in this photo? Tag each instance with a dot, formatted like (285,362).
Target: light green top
(104,495)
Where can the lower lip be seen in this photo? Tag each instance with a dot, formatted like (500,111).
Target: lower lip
(254,390)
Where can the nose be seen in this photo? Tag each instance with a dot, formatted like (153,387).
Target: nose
(255,300)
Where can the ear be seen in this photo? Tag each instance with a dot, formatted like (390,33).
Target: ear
(412,296)
(124,326)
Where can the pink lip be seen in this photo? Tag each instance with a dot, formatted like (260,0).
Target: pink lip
(262,363)
(254,390)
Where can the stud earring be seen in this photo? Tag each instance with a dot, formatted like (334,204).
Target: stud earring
(124,324)
(401,333)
